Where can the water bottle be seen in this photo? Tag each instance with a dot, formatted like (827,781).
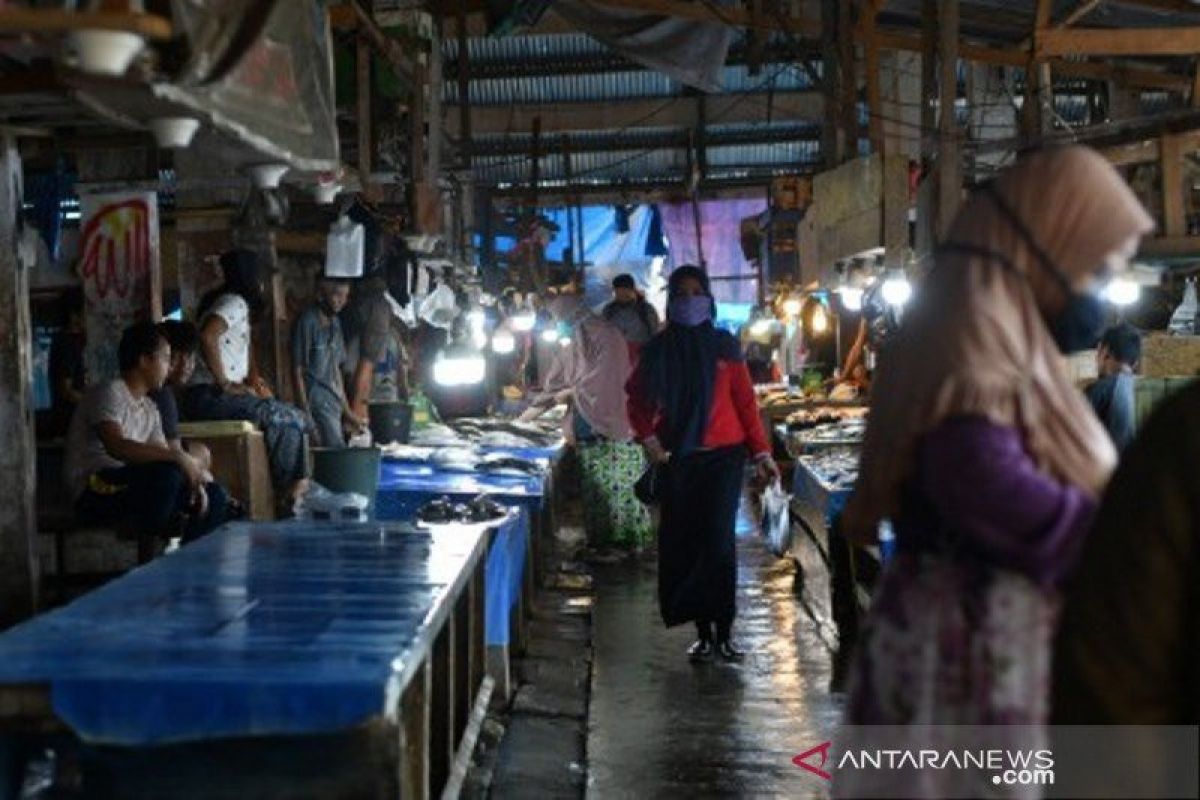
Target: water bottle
(887,540)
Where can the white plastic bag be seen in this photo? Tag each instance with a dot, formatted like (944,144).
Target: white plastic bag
(777,519)
(1183,321)
(344,249)
(318,503)
(440,308)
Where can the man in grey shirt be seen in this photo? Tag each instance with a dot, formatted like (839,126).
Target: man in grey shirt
(1112,396)
(318,350)
(629,311)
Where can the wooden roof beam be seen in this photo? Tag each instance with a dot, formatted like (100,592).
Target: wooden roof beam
(1183,41)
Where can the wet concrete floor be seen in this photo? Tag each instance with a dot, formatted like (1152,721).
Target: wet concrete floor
(661,727)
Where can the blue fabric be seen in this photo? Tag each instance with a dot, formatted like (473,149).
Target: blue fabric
(404,488)
(505,571)
(257,629)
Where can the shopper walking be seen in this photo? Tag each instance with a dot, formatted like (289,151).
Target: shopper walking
(693,409)
(1112,395)
(983,454)
(227,384)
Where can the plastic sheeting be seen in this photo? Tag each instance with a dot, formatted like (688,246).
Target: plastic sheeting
(609,252)
(720,227)
(258,629)
(690,52)
(276,94)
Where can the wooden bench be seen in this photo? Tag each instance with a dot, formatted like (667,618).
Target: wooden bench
(239,462)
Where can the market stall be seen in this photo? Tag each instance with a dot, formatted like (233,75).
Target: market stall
(257,648)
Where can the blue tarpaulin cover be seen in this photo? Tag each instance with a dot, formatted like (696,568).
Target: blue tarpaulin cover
(404,488)
(257,629)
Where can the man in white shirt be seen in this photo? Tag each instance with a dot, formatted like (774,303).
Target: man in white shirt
(227,385)
(119,466)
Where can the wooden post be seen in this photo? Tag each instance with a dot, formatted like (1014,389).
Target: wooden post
(929,26)
(464,86)
(416,129)
(433,96)
(363,84)
(830,151)
(848,83)
(873,77)
(1037,79)
(1171,163)
(949,166)
(19,571)
(1196,84)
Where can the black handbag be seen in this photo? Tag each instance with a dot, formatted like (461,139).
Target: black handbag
(649,486)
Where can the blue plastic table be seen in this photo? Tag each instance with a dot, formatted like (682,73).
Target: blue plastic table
(258,629)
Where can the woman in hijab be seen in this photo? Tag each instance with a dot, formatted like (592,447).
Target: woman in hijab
(981,451)
(589,374)
(692,407)
(227,384)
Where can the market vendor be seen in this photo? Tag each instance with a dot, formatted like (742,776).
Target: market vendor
(377,360)
(318,350)
(589,375)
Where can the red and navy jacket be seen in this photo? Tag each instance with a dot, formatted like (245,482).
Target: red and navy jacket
(732,420)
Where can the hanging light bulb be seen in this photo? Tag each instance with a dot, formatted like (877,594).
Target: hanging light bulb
(851,298)
(459,370)
(524,322)
(550,335)
(820,319)
(1122,292)
(792,306)
(897,291)
(503,343)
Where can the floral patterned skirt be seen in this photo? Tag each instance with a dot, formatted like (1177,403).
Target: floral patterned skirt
(612,514)
(948,644)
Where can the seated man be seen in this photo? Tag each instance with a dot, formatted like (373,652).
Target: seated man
(119,466)
(184,340)
(1112,396)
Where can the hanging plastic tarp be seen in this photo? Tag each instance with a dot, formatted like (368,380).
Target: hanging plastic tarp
(262,72)
(691,52)
(718,244)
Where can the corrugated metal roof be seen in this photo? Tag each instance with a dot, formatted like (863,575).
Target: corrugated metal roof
(631,84)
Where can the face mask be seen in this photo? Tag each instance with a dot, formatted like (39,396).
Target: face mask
(690,310)
(1080,324)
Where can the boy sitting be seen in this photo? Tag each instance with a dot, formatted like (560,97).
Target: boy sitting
(119,466)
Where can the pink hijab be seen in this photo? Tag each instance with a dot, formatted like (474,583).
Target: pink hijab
(975,341)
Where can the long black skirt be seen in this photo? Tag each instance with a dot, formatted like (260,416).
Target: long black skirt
(697,557)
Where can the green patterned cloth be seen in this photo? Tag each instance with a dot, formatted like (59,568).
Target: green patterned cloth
(612,514)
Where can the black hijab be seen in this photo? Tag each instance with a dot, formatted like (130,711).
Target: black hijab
(239,268)
(679,367)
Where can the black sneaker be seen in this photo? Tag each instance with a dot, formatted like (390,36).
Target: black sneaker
(728,653)
(700,651)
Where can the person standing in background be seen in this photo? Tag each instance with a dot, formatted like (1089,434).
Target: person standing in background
(588,375)
(1112,394)
(634,317)
(318,351)
(377,361)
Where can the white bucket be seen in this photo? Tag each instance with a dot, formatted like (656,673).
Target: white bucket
(103,52)
(174,131)
(267,176)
